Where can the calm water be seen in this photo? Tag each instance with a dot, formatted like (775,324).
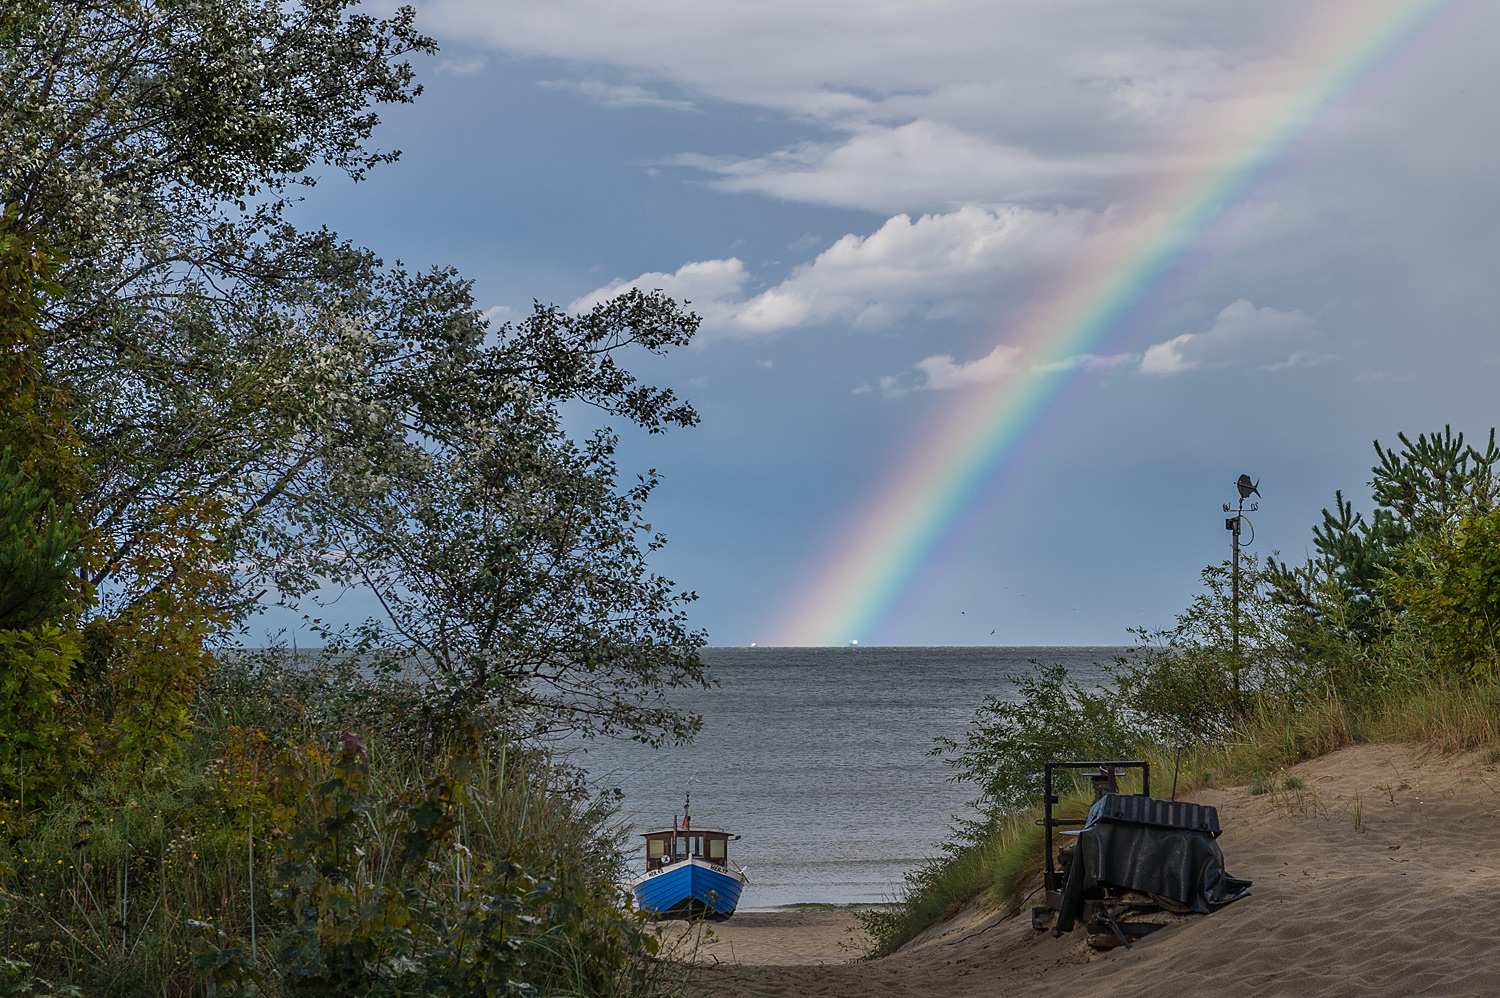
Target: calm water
(818,758)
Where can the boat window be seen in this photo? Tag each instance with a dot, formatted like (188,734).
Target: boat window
(655,847)
(697,845)
(715,848)
(679,845)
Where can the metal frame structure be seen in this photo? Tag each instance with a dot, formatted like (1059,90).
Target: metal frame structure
(1104,782)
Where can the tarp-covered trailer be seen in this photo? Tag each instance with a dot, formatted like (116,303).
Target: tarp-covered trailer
(1133,853)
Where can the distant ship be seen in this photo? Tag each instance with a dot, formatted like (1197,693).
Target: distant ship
(688,873)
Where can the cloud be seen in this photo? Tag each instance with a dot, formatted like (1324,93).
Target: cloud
(941,372)
(915,108)
(1087,362)
(880,168)
(461,66)
(1166,358)
(497,315)
(930,267)
(618,95)
(1145,58)
(1243,335)
(711,286)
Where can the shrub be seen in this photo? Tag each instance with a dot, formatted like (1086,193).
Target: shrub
(382,896)
(1051,717)
(1458,595)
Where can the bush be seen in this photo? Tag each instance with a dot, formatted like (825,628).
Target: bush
(1051,717)
(318,866)
(1458,595)
(381,896)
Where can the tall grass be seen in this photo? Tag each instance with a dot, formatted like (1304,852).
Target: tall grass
(115,885)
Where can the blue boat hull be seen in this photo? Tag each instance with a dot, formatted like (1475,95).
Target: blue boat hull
(690,889)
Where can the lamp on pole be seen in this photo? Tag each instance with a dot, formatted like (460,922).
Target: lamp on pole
(1246,489)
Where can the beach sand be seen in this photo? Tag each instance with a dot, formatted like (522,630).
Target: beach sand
(788,937)
(1382,878)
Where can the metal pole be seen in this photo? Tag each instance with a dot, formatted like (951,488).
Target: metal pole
(1235,595)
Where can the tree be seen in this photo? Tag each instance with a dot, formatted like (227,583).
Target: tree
(38,538)
(1432,484)
(265,410)
(511,566)
(1409,572)
(156,145)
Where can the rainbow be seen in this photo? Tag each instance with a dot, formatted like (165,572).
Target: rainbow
(1176,225)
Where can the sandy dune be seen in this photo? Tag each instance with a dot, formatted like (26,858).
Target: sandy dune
(1381,878)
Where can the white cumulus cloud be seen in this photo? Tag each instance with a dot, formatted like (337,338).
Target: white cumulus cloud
(931,266)
(1166,358)
(941,372)
(1242,335)
(709,285)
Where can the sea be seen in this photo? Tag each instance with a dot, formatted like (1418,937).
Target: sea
(820,760)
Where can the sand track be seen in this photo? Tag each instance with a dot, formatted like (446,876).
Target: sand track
(1381,878)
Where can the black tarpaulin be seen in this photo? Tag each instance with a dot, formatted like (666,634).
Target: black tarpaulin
(1161,857)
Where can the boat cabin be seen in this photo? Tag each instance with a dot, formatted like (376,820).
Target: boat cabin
(670,845)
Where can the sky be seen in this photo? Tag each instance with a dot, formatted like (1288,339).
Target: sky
(886,214)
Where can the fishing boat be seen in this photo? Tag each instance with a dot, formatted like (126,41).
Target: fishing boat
(688,874)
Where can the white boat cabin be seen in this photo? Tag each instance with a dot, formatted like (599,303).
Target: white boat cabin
(671,845)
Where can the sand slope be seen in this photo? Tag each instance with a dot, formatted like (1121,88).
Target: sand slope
(1381,878)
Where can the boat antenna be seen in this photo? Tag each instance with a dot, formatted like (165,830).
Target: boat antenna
(687,802)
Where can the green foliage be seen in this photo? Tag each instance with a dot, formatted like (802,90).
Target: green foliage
(1190,683)
(16,981)
(281,411)
(1457,595)
(437,876)
(38,748)
(1050,717)
(40,544)
(510,563)
(1354,558)
(1408,598)
(1433,483)
(194,331)
(38,536)
(385,899)
(39,555)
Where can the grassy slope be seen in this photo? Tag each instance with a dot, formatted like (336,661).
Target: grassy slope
(1004,865)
